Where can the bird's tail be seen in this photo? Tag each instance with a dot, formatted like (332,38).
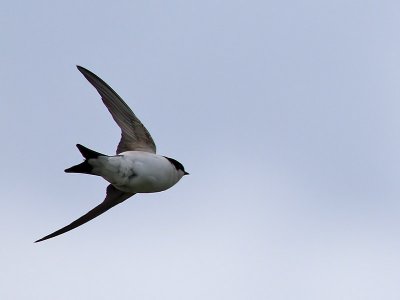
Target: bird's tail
(84,167)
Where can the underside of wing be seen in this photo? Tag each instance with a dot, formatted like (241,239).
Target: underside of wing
(134,136)
(113,198)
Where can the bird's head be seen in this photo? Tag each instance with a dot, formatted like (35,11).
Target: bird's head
(178,166)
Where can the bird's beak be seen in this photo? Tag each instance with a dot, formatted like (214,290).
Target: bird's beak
(186,173)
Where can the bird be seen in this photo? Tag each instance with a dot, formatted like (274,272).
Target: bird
(136,168)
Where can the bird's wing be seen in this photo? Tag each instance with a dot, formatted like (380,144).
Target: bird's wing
(134,136)
(113,198)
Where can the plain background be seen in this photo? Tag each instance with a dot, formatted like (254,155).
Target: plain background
(286,114)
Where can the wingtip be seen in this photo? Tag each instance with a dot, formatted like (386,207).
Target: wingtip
(87,73)
(46,237)
(82,69)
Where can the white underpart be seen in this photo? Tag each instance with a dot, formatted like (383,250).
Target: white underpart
(137,171)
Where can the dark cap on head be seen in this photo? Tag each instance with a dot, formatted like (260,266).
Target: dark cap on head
(177,165)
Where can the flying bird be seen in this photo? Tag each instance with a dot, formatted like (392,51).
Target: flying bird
(136,168)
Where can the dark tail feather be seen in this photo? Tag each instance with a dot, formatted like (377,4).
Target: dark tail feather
(84,167)
(87,153)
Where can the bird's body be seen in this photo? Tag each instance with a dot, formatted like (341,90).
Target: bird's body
(135,169)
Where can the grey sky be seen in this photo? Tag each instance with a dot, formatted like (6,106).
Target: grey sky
(285,113)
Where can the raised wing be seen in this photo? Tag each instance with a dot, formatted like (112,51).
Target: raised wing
(134,136)
(113,198)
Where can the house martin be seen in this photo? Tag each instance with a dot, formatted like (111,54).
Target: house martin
(136,168)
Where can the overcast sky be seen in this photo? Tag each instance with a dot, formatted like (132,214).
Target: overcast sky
(285,113)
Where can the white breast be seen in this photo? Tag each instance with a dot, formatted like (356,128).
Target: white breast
(137,171)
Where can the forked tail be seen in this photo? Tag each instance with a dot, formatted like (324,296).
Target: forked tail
(84,167)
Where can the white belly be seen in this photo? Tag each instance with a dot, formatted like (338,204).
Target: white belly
(136,171)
